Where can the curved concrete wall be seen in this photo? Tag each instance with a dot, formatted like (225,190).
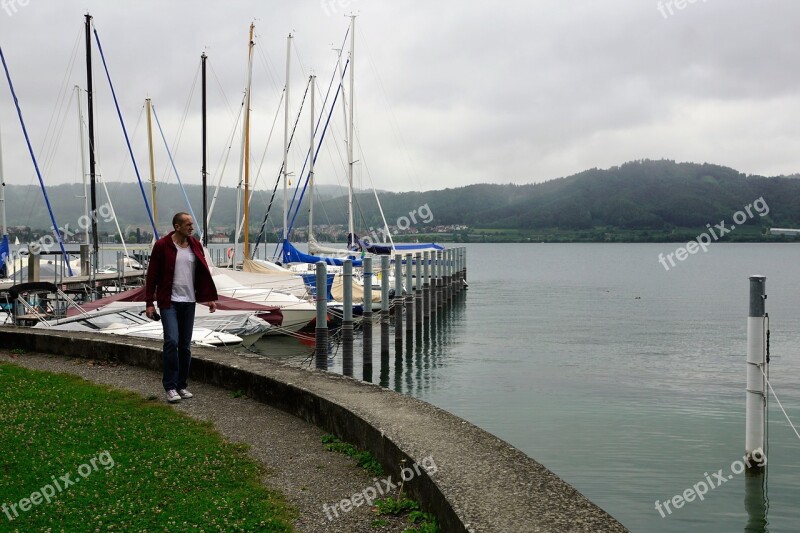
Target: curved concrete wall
(480,483)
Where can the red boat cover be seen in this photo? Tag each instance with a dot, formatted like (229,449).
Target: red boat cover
(271,314)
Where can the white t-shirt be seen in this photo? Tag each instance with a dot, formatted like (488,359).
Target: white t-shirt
(183,281)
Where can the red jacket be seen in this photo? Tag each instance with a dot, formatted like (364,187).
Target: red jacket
(161,271)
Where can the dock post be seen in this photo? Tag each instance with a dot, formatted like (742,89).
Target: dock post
(447,278)
(459,257)
(85,264)
(34,268)
(465,268)
(321,355)
(366,317)
(453,272)
(426,285)
(439,278)
(757,368)
(384,306)
(398,299)
(409,295)
(418,289)
(347,319)
(434,276)
(461,266)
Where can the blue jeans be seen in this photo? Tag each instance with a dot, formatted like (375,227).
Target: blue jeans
(178,322)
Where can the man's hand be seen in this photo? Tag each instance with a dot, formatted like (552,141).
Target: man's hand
(149,310)
(212,306)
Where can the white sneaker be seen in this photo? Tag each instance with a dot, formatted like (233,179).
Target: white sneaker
(173,396)
(185,393)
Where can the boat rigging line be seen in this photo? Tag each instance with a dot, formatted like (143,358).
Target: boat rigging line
(35,163)
(125,132)
(172,161)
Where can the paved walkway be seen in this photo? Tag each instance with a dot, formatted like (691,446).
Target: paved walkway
(298,464)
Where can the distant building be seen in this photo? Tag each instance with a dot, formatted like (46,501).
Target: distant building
(219,238)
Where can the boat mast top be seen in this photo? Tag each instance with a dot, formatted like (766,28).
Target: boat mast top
(313,82)
(204,171)
(350,136)
(92,161)
(246,247)
(286,140)
(82,133)
(152,160)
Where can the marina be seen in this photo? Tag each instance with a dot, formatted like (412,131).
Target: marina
(517,271)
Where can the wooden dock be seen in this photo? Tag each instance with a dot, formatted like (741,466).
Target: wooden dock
(82,284)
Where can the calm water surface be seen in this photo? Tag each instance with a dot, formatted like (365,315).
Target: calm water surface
(624,379)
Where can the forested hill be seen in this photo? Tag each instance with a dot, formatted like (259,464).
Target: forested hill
(636,195)
(641,195)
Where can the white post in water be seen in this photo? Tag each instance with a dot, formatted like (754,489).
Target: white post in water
(398,299)
(322,317)
(384,305)
(366,322)
(756,369)
(409,294)
(347,319)
(418,289)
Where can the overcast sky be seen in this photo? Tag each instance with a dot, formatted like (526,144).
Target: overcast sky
(447,93)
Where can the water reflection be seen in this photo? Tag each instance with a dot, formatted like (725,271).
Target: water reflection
(418,354)
(756,502)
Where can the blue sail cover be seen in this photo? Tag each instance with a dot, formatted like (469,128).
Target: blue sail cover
(388,249)
(4,253)
(293,255)
(410,247)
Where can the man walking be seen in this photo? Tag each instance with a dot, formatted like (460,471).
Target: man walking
(178,277)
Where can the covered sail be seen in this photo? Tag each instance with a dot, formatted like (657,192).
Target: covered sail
(4,256)
(293,255)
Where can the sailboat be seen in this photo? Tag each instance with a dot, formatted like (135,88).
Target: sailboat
(263,284)
(356,247)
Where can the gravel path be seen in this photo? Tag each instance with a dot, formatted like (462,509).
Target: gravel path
(298,464)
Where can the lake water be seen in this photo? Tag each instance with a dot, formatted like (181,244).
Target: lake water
(623,378)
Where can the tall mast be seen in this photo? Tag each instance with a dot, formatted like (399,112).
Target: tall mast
(286,142)
(351,137)
(311,164)
(92,163)
(83,159)
(152,161)
(246,249)
(204,170)
(3,191)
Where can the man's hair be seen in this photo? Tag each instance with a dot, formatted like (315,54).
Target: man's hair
(176,220)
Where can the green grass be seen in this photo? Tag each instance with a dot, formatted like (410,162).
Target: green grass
(422,522)
(364,459)
(169,472)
